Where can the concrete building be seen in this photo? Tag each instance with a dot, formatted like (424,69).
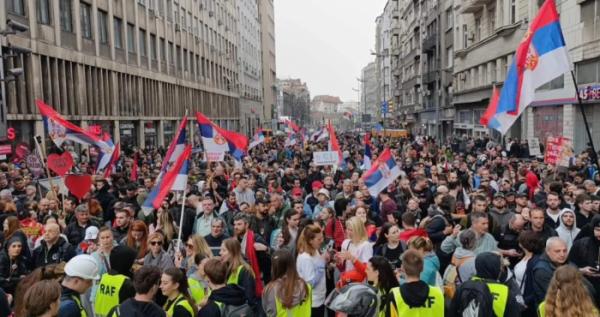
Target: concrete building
(383,54)
(250,65)
(446,113)
(410,62)
(296,101)
(324,108)
(269,72)
(131,67)
(369,90)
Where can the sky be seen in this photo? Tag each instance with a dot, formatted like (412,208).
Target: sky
(325,43)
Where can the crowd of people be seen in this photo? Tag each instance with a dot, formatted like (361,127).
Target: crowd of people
(470,228)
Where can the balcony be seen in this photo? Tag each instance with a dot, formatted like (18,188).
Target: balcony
(472,6)
(430,42)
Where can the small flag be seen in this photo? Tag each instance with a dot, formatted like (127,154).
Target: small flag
(382,173)
(258,138)
(367,157)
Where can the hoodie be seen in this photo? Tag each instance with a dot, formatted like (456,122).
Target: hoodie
(464,260)
(121,260)
(134,308)
(566,234)
(228,295)
(414,294)
(489,268)
(268,298)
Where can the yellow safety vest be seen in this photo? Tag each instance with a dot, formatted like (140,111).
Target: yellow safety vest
(77,301)
(196,290)
(542,309)
(179,301)
(107,294)
(499,292)
(434,305)
(303,309)
(234,277)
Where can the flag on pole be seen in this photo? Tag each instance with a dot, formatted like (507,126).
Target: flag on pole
(367,157)
(541,57)
(177,145)
(60,130)
(491,109)
(258,138)
(217,140)
(382,173)
(171,181)
(333,143)
(290,124)
(114,158)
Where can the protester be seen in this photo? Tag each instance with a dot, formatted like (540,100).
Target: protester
(380,273)
(157,256)
(80,272)
(115,286)
(567,296)
(173,285)
(53,248)
(287,293)
(222,293)
(312,264)
(239,271)
(43,299)
(146,282)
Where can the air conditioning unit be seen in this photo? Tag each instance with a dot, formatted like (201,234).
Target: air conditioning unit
(177,27)
(211,13)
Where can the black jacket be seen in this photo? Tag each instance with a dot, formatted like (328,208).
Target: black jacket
(189,216)
(134,308)
(585,252)
(11,272)
(61,251)
(107,201)
(75,233)
(228,295)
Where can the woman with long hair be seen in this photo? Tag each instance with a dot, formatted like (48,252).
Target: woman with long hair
(370,227)
(357,246)
(287,294)
(195,245)
(312,265)
(137,239)
(166,224)
(380,274)
(12,228)
(289,229)
(388,244)
(43,299)
(567,296)
(48,272)
(157,256)
(173,285)
(240,272)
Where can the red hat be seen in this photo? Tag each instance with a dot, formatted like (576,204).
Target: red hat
(297,191)
(317,185)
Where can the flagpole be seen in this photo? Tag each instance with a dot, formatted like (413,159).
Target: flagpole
(42,152)
(181,219)
(585,121)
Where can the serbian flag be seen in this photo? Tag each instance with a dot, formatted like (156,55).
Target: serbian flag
(177,145)
(541,57)
(60,130)
(103,159)
(110,168)
(367,157)
(291,140)
(333,143)
(258,138)
(173,180)
(491,109)
(294,127)
(217,141)
(382,173)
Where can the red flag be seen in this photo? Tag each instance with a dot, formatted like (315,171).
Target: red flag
(170,176)
(333,142)
(134,169)
(491,109)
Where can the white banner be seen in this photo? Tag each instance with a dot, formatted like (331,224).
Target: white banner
(534,147)
(55,181)
(325,158)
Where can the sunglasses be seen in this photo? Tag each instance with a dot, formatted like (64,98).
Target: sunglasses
(156,242)
(189,245)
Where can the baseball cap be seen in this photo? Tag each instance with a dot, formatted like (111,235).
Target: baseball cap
(324,191)
(297,191)
(317,185)
(91,233)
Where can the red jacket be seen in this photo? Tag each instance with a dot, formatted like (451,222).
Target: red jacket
(338,235)
(407,234)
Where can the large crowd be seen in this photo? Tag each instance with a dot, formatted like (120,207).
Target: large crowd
(470,228)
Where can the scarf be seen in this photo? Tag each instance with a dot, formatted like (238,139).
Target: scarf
(248,245)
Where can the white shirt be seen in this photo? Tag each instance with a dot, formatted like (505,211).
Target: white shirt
(312,270)
(363,252)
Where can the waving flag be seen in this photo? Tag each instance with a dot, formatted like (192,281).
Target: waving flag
(367,157)
(177,145)
(491,109)
(541,57)
(60,130)
(291,140)
(333,143)
(383,172)
(258,138)
(217,140)
(110,168)
(172,180)
(290,124)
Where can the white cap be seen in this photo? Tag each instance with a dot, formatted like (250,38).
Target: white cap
(83,266)
(324,191)
(91,233)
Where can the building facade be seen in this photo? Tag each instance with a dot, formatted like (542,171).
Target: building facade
(269,69)
(131,67)
(410,63)
(369,89)
(295,98)
(250,65)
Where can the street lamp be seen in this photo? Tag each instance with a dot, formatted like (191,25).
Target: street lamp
(12,27)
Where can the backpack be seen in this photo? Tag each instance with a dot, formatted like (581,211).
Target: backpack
(243,310)
(473,299)
(452,278)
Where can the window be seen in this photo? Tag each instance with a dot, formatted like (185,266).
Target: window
(130,38)
(513,11)
(183,24)
(171,54)
(465,36)
(162,50)
(66,15)
(16,7)
(178,59)
(153,47)
(449,18)
(450,56)
(118,29)
(190,21)
(86,20)
(161,8)
(103,27)
(491,20)
(176,13)
(43,11)
(477,29)
(588,72)
(142,43)
(557,83)
(169,10)
(142,2)
(590,16)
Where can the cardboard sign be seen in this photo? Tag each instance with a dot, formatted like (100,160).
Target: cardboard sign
(326,158)
(56,181)
(559,151)
(534,147)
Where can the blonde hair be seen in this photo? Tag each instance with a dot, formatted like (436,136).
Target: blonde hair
(567,297)
(420,243)
(200,247)
(309,233)
(234,248)
(358,229)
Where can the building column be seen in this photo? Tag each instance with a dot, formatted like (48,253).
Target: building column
(192,130)
(527,124)
(160,130)
(140,135)
(116,132)
(38,129)
(568,125)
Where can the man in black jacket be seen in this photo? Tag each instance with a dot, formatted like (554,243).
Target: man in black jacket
(75,231)
(584,253)
(53,248)
(106,199)
(222,294)
(145,282)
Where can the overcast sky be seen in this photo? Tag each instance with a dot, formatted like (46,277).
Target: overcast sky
(325,43)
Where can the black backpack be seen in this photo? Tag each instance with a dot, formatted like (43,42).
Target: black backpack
(473,299)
